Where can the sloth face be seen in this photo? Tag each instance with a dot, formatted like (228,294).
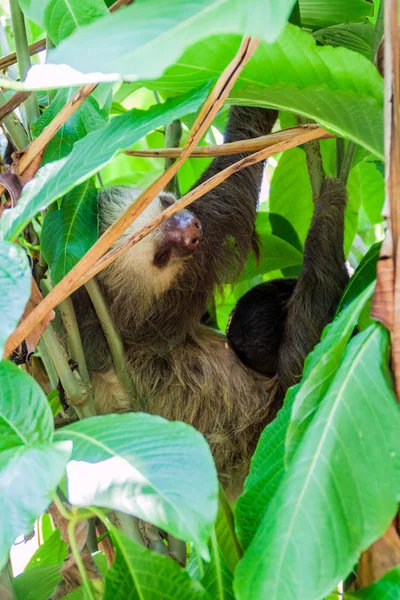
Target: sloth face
(155,262)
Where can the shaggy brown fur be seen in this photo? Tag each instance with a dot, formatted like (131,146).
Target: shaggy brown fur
(180,368)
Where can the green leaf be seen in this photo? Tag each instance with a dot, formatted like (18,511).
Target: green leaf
(322,13)
(51,552)
(372,191)
(15,286)
(338,88)
(266,472)
(341,488)
(274,254)
(281,436)
(31,466)
(25,416)
(320,368)
(145,38)
(71,230)
(61,17)
(352,209)
(88,117)
(226,535)
(138,573)
(145,468)
(285,206)
(387,588)
(38,583)
(354,36)
(89,155)
(218,578)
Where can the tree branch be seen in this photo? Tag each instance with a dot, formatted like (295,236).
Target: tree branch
(252,145)
(11,59)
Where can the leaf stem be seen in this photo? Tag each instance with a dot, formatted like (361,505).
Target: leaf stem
(78,559)
(23,57)
(60,507)
(347,162)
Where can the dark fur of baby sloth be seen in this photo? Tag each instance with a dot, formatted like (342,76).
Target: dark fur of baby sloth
(158,292)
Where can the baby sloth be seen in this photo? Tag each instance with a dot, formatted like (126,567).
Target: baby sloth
(159,290)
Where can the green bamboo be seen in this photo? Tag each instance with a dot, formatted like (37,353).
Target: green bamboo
(23,58)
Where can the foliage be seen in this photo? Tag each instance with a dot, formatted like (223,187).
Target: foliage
(324,480)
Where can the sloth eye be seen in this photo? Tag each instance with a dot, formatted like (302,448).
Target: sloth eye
(166,200)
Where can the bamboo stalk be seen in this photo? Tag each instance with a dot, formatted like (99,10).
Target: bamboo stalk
(253,145)
(210,108)
(23,58)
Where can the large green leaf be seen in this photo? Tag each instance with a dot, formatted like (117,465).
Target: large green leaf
(146,37)
(31,465)
(341,489)
(70,230)
(144,465)
(15,288)
(268,463)
(89,155)
(59,18)
(140,574)
(338,88)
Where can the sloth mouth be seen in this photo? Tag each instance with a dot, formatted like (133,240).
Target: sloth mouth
(171,253)
(162,258)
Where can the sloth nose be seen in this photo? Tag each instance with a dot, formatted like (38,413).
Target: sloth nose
(192,234)
(183,231)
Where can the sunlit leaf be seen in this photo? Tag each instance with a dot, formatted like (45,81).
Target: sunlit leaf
(143,465)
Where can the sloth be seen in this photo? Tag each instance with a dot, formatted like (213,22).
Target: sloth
(227,387)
